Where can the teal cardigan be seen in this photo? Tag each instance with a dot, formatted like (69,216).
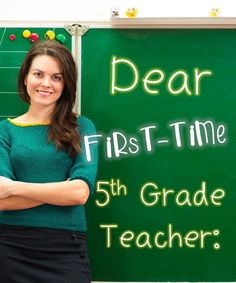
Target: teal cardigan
(25,155)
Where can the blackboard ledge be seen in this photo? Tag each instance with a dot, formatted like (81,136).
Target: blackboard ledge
(117,22)
(183,22)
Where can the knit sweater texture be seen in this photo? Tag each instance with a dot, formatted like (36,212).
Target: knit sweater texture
(25,155)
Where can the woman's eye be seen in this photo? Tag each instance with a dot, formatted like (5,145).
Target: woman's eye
(38,75)
(56,78)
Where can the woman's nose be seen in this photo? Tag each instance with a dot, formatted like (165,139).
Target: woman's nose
(46,81)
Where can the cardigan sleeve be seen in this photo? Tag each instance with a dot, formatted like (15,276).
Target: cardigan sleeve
(5,147)
(83,168)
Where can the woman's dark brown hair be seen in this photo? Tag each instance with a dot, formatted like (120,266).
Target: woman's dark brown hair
(63,130)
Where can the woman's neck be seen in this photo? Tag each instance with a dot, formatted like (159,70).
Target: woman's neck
(38,116)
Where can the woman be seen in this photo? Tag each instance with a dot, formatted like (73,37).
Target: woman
(45,176)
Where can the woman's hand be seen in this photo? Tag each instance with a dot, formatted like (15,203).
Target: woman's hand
(6,187)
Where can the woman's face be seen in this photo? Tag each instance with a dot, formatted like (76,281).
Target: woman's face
(44,82)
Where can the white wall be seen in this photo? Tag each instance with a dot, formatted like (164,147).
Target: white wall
(78,10)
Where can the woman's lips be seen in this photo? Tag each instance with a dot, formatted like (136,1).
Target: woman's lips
(44,93)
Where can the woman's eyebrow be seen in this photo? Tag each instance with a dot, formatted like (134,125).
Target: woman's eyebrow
(43,72)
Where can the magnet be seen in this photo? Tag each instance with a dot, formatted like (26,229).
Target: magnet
(50,34)
(26,33)
(61,38)
(34,37)
(12,37)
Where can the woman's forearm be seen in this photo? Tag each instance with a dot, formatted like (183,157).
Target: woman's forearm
(17,203)
(75,192)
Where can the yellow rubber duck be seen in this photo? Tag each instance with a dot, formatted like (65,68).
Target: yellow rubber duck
(214,12)
(131,12)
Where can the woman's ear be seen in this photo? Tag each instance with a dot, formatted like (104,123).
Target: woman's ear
(25,81)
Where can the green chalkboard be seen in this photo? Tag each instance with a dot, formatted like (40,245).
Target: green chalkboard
(12,53)
(174,217)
